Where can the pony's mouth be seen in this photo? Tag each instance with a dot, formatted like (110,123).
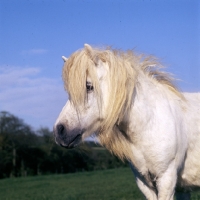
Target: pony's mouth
(70,143)
(73,143)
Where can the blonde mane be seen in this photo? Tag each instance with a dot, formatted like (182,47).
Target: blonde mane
(123,69)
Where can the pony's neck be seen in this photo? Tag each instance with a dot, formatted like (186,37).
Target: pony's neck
(148,95)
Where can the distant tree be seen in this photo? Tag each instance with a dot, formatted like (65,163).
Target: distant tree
(46,138)
(15,135)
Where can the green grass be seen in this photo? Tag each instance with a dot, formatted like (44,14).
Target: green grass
(115,184)
(97,185)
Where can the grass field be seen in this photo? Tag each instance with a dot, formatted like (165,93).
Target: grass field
(115,184)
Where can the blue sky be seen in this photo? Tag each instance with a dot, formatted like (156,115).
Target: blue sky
(34,34)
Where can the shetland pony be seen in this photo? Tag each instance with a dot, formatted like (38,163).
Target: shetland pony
(137,113)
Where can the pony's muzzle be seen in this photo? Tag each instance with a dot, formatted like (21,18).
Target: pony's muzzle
(67,138)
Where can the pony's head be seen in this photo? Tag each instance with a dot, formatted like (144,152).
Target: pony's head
(100,86)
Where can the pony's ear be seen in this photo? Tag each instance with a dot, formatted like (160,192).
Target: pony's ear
(64,58)
(88,48)
(91,53)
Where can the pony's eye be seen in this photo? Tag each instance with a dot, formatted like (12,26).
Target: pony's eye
(89,87)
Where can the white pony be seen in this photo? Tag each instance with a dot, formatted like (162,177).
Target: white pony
(138,114)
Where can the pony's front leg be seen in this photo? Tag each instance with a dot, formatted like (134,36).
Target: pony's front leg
(147,191)
(166,183)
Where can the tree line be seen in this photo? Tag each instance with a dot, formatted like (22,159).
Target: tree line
(26,152)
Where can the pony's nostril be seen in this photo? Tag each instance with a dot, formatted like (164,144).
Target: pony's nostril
(60,129)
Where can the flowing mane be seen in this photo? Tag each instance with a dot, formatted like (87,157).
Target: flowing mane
(124,68)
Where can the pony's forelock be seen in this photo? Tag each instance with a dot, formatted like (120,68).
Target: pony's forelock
(75,72)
